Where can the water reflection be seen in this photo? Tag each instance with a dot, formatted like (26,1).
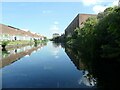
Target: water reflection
(99,72)
(43,70)
(51,67)
(55,49)
(56,44)
(87,78)
(11,55)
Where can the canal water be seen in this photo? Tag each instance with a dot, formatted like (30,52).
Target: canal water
(43,66)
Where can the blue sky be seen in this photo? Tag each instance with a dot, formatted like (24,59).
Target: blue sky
(47,18)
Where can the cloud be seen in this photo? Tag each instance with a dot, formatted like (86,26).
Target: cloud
(55,53)
(46,11)
(115,3)
(53,0)
(89,2)
(56,22)
(98,2)
(54,29)
(99,8)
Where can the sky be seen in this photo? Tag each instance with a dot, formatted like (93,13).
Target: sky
(48,17)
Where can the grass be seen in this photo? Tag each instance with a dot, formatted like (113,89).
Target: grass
(19,42)
(15,42)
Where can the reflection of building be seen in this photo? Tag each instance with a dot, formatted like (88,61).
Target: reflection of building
(77,23)
(11,56)
(12,33)
(87,79)
(75,59)
(55,35)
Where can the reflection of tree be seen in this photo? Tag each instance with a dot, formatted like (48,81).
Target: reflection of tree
(9,58)
(55,44)
(35,45)
(104,70)
(15,50)
(75,57)
(5,53)
(107,73)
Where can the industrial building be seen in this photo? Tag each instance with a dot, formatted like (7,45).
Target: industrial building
(77,23)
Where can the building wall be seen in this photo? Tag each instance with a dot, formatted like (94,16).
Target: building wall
(12,33)
(83,18)
(77,23)
(72,26)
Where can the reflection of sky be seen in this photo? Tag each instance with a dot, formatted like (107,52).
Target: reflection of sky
(42,68)
(34,51)
(27,55)
(46,67)
(55,52)
(87,80)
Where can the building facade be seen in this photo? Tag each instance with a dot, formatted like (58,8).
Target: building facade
(77,23)
(12,33)
(55,35)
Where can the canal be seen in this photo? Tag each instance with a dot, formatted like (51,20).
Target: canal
(43,66)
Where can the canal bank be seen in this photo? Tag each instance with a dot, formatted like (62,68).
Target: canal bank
(16,44)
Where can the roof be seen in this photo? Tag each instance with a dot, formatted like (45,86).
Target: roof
(5,29)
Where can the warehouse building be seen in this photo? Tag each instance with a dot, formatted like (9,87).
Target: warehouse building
(77,23)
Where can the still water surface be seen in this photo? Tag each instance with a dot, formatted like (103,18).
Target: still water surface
(44,66)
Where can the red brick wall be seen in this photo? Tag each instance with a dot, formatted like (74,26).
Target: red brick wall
(77,22)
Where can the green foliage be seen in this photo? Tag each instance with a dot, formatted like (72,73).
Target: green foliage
(100,36)
(4,43)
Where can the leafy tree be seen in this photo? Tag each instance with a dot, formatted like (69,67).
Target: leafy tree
(99,37)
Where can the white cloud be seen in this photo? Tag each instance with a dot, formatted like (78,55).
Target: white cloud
(115,3)
(41,0)
(97,2)
(46,11)
(52,0)
(89,2)
(99,8)
(54,29)
(56,22)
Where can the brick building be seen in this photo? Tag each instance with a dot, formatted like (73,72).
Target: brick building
(77,23)
(12,33)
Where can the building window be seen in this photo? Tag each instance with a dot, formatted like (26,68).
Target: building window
(15,38)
